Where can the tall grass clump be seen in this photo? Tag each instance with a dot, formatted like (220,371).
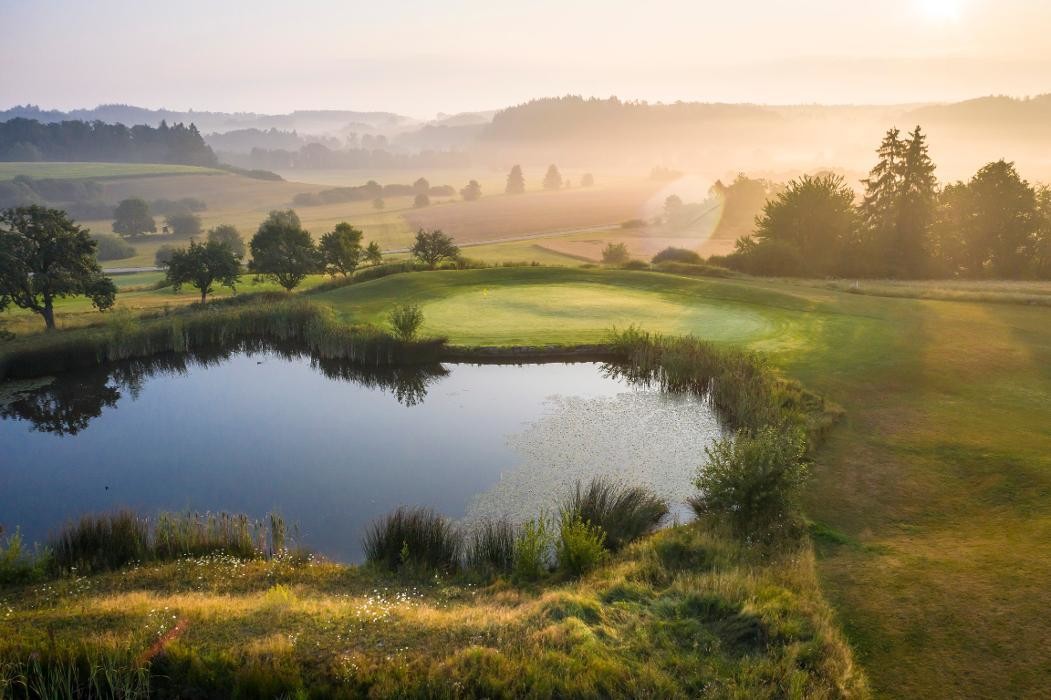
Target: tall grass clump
(532,551)
(109,541)
(581,545)
(413,539)
(90,674)
(490,547)
(754,481)
(405,320)
(624,513)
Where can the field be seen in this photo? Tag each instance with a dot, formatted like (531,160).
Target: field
(99,171)
(934,497)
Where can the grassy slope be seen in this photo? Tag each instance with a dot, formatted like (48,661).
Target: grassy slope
(99,170)
(939,482)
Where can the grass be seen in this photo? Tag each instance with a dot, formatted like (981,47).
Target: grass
(413,538)
(99,171)
(623,513)
(722,621)
(940,471)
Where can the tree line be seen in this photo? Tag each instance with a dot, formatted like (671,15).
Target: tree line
(31,140)
(906,225)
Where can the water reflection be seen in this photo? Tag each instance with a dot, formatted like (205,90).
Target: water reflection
(67,405)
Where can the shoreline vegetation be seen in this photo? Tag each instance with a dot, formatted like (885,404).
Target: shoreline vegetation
(564,605)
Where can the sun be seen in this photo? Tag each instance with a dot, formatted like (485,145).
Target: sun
(941,10)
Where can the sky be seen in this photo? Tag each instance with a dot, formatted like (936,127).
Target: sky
(421,58)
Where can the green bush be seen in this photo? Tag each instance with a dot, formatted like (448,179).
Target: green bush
(581,545)
(18,565)
(753,480)
(405,320)
(624,513)
(532,544)
(110,247)
(415,539)
(678,255)
(636,265)
(615,254)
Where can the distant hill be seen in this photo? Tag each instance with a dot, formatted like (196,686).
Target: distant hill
(311,121)
(1019,117)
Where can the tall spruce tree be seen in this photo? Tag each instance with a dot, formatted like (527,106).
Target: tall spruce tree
(909,252)
(899,207)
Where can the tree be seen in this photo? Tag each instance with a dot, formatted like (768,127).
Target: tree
(111,247)
(225,233)
(813,215)
(341,249)
(1001,223)
(184,224)
(679,255)
(132,219)
(373,254)
(587,180)
(163,256)
(283,251)
(431,247)
(202,265)
(472,192)
(45,256)
(421,186)
(615,254)
(378,203)
(909,250)
(553,178)
(672,208)
(515,181)
(421,200)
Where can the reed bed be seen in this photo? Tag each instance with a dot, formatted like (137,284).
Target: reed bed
(109,541)
(229,325)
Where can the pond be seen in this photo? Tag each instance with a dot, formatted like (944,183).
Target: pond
(331,446)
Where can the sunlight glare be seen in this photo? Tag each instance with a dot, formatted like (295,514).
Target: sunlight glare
(941,10)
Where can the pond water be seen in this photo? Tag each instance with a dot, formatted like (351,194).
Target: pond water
(331,446)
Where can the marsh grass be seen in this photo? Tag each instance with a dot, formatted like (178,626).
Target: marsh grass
(225,325)
(89,674)
(107,542)
(413,539)
(490,547)
(581,545)
(624,513)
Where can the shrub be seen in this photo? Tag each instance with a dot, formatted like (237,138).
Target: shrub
(753,480)
(17,565)
(581,545)
(636,265)
(679,255)
(769,258)
(110,247)
(417,538)
(405,320)
(632,223)
(491,547)
(625,513)
(532,545)
(615,254)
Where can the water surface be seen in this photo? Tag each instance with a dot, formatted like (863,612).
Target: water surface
(331,446)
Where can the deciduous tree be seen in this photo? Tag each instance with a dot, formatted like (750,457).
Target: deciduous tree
(44,256)
(202,265)
(283,251)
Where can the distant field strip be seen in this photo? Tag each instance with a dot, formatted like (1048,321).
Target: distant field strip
(98,171)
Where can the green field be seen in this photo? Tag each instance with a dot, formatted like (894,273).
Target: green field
(98,171)
(937,488)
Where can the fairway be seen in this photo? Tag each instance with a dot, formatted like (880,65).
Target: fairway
(934,493)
